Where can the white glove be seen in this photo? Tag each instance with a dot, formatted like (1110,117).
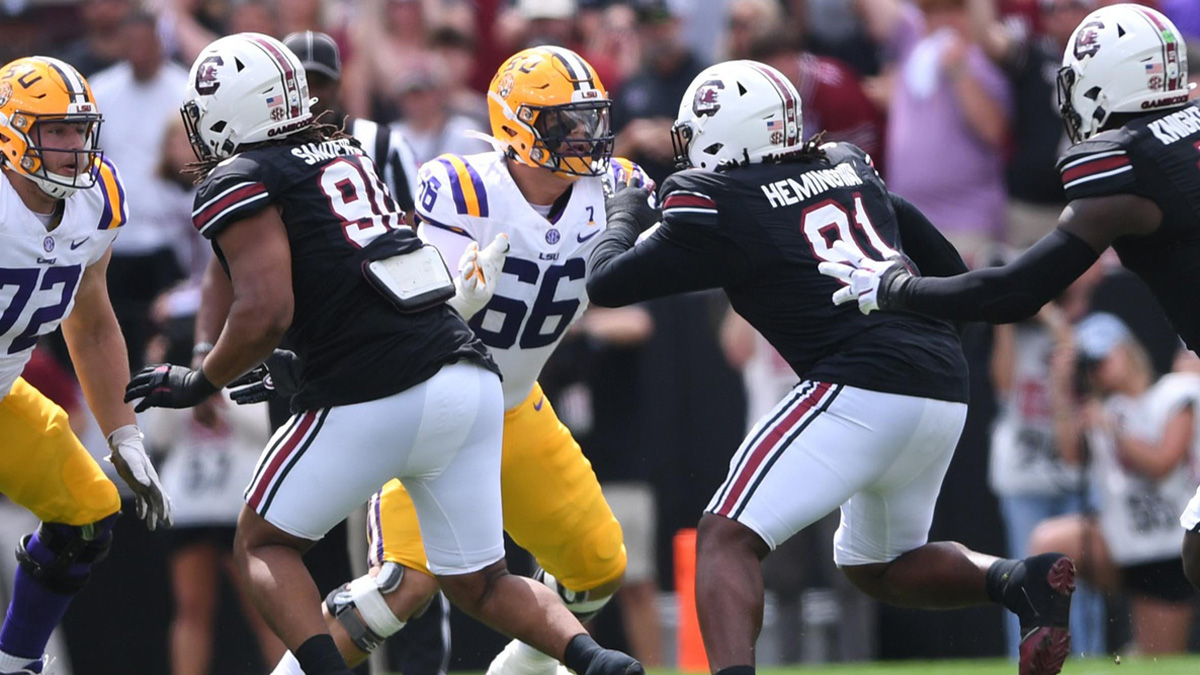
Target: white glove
(478,274)
(134,467)
(863,278)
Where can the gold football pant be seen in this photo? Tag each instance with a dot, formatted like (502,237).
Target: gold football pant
(44,467)
(553,506)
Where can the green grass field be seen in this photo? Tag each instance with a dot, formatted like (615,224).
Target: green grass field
(1134,665)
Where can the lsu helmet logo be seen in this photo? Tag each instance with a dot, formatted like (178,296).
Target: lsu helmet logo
(206,75)
(706,102)
(6,92)
(1087,40)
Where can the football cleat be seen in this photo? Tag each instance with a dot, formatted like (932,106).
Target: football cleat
(518,658)
(1045,635)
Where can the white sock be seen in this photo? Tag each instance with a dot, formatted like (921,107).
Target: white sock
(288,665)
(532,655)
(8,662)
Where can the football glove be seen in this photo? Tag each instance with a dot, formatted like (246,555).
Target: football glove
(162,385)
(129,458)
(633,205)
(278,376)
(478,274)
(873,283)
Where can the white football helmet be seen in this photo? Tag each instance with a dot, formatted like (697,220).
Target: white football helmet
(736,112)
(1122,59)
(244,88)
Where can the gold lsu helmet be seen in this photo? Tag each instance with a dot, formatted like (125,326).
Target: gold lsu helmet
(39,90)
(549,107)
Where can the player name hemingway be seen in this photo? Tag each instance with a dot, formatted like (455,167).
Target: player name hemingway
(790,191)
(1176,125)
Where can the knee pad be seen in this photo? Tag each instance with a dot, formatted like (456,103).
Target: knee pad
(60,556)
(360,608)
(583,604)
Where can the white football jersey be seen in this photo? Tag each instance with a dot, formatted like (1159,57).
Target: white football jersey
(542,289)
(40,270)
(1138,514)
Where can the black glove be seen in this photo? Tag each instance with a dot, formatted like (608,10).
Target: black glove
(632,206)
(279,376)
(162,385)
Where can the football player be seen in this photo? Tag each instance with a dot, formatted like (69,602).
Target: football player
(873,424)
(394,384)
(1132,181)
(384,144)
(540,197)
(61,206)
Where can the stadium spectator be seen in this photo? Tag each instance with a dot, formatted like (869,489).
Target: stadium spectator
(102,45)
(139,98)
(944,87)
(426,120)
(645,106)
(834,99)
(1025,469)
(746,21)
(206,467)
(1141,435)
(1030,59)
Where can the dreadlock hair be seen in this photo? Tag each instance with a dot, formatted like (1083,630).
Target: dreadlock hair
(809,152)
(316,131)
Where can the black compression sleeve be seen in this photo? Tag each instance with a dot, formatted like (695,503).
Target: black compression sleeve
(1001,294)
(923,244)
(675,259)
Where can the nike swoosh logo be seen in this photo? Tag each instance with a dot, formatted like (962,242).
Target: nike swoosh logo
(77,244)
(538,406)
(583,238)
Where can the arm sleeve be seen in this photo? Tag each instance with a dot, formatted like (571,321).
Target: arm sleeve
(677,258)
(1002,294)
(449,243)
(923,244)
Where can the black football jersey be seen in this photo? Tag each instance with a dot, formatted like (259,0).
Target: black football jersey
(1156,157)
(353,344)
(760,231)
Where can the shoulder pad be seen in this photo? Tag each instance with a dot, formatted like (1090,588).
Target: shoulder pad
(451,186)
(627,172)
(691,197)
(112,192)
(840,152)
(1099,166)
(235,189)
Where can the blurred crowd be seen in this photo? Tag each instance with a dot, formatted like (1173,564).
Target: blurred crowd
(1085,418)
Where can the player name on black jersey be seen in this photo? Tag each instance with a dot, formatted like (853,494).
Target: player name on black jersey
(790,191)
(1176,125)
(314,153)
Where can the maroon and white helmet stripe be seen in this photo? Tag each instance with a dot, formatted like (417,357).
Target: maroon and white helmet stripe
(290,80)
(790,105)
(1170,50)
